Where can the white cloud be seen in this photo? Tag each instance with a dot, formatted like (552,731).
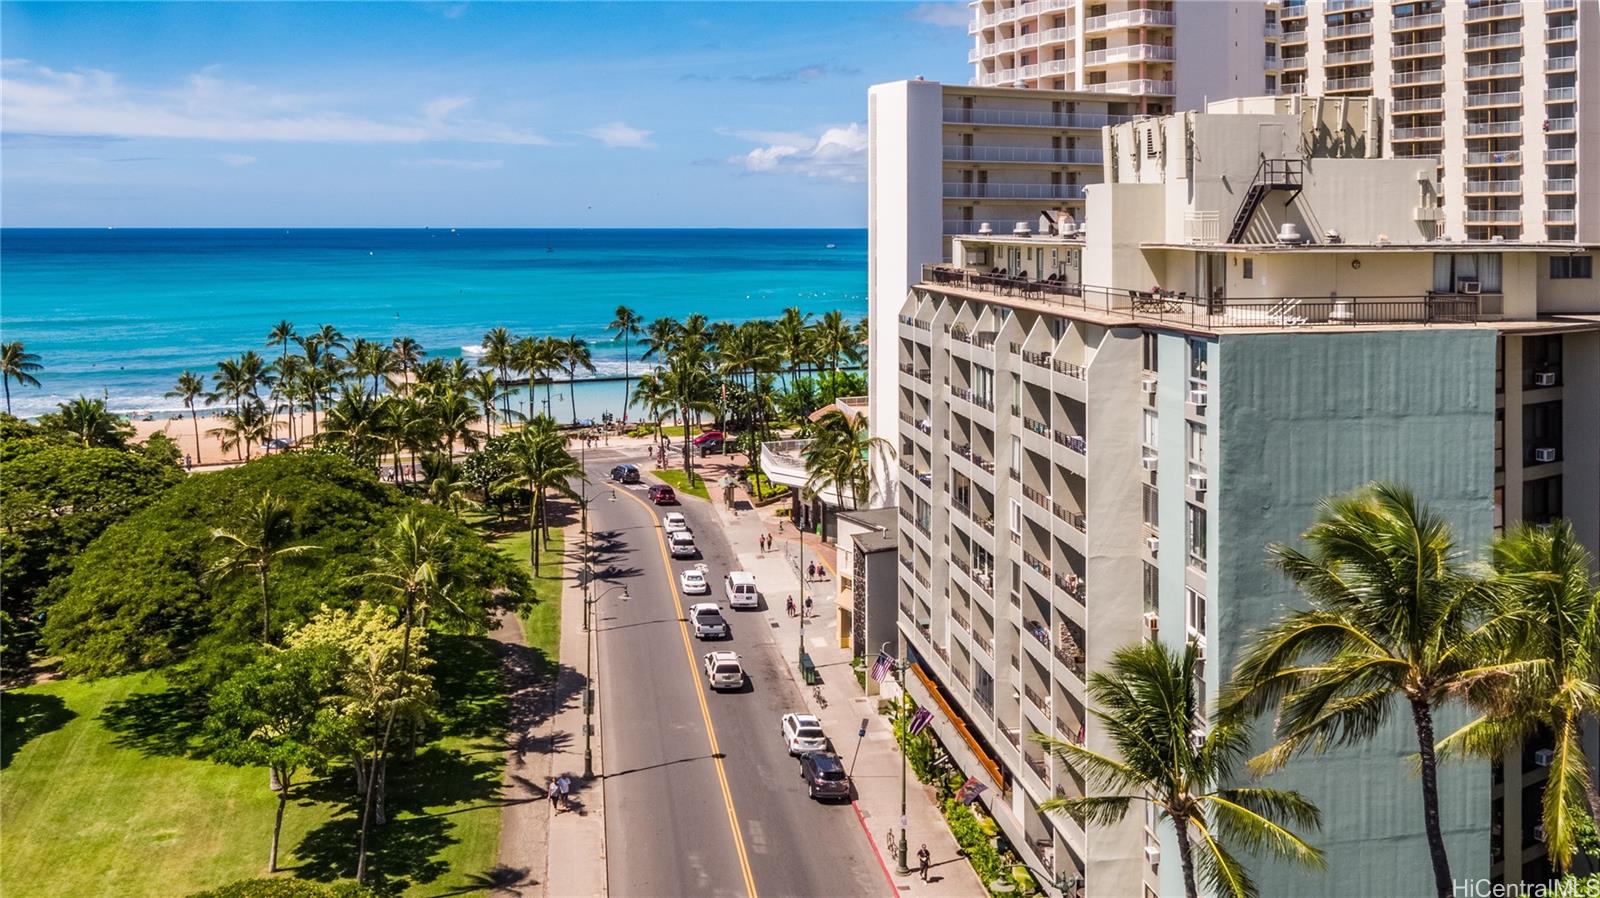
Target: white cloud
(619,134)
(838,152)
(38,100)
(944,15)
(457,164)
(237,160)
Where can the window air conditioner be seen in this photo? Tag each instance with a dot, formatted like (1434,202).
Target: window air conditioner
(1543,756)
(1149,385)
(1148,462)
(1153,543)
(1152,853)
(1197,398)
(1544,378)
(1468,286)
(1544,454)
(1197,482)
(1152,620)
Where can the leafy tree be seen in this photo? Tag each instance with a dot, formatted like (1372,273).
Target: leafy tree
(261,537)
(276,713)
(17,364)
(158,447)
(1393,614)
(89,423)
(839,456)
(1149,707)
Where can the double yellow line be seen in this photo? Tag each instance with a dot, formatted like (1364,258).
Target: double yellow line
(705,710)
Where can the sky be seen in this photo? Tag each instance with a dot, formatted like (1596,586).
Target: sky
(475,114)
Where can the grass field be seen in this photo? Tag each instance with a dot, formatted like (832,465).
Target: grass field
(541,624)
(680,482)
(101,796)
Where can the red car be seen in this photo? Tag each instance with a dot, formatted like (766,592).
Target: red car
(709,436)
(661,494)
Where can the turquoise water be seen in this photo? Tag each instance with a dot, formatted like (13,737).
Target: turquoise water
(119,313)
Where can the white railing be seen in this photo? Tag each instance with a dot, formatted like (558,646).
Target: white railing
(1139,86)
(1348,57)
(1025,117)
(1491,41)
(1273,30)
(1425,76)
(974,55)
(1062,156)
(1426,20)
(1129,53)
(1561,216)
(1497,70)
(1294,62)
(1002,77)
(1560,94)
(1340,84)
(1333,6)
(1202,227)
(1560,185)
(1426,48)
(1563,154)
(1493,129)
(1270,62)
(1504,98)
(1421,104)
(1493,216)
(1562,33)
(1501,157)
(1497,11)
(1357,29)
(1132,18)
(1561,124)
(1559,5)
(1561,64)
(1483,187)
(1429,133)
(1014,191)
(1057,66)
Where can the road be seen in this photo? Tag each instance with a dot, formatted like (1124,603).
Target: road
(684,818)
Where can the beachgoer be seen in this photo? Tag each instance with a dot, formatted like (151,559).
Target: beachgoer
(808,606)
(553,792)
(811,570)
(791,606)
(922,861)
(565,784)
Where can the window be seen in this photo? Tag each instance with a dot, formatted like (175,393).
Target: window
(1248,267)
(1500,364)
(1195,612)
(1499,440)
(1499,508)
(1541,361)
(983,383)
(1541,433)
(1152,588)
(1016,516)
(1197,445)
(1197,360)
(1152,512)
(1571,267)
(1541,500)
(1151,352)
(1195,535)
(1451,269)
(1152,427)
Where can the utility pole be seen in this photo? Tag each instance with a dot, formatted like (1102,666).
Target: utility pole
(588,635)
(905,740)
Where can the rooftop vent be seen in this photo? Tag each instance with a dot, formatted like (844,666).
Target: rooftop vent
(985,229)
(1021,229)
(1289,233)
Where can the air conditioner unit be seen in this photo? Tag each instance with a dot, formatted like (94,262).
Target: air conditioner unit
(1153,543)
(1543,756)
(1197,482)
(1469,286)
(1148,462)
(1424,213)
(1544,454)
(1544,378)
(1149,385)
(1152,620)
(1152,853)
(1197,398)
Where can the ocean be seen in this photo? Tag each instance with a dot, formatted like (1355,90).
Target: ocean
(120,313)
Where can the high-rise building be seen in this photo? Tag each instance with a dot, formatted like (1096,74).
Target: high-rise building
(1164,55)
(1493,92)
(1102,429)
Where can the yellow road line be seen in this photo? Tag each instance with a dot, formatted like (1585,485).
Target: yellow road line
(705,710)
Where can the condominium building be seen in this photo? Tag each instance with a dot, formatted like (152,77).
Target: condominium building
(1164,55)
(1101,432)
(1492,91)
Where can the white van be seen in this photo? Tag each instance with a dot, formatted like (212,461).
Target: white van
(681,544)
(740,587)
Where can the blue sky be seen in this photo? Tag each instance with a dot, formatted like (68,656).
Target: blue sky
(451,114)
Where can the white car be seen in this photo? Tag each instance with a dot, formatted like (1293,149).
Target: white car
(681,545)
(693,582)
(803,733)
(674,521)
(706,620)
(723,670)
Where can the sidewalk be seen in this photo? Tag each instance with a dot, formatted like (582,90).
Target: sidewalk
(876,768)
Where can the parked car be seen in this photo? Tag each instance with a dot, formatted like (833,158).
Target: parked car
(723,670)
(674,521)
(681,544)
(710,436)
(803,733)
(741,589)
(693,582)
(824,775)
(706,620)
(625,473)
(661,494)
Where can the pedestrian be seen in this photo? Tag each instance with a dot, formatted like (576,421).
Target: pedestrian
(565,785)
(188,463)
(922,861)
(811,570)
(553,792)
(791,606)
(808,607)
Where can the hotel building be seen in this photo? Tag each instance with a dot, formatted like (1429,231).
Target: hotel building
(1098,433)
(1492,91)
(1164,55)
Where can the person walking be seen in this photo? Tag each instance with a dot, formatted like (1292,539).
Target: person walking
(922,861)
(791,606)
(808,607)
(565,784)
(811,570)
(553,792)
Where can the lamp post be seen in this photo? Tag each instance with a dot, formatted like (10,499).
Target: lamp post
(800,567)
(588,682)
(901,666)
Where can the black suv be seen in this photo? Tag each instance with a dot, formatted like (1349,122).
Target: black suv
(824,775)
(625,473)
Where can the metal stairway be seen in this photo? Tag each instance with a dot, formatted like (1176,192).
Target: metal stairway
(1271,174)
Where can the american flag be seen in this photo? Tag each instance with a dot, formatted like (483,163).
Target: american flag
(880,667)
(970,790)
(919,721)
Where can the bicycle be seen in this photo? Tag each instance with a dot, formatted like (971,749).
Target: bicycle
(890,843)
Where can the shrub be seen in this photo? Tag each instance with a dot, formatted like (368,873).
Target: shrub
(287,888)
(970,834)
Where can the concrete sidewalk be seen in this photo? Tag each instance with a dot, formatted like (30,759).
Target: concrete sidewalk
(874,759)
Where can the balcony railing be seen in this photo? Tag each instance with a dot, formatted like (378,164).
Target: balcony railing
(1561,216)
(1421,104)
(1030,118)
(1052,155)
(1493,216)
(1034,698)
(1074,519)
(1494,41)
(1426,20)
(1563,33)
(1502,98)
(1498,157)
(1494,70)
(981,401)
(1072,441)
(992,190)
(1129,53)
(1037,497)
(1420,308)
(1493,129)
(1560,185)
(1423,76)
(1133,18)
(1560,94)
(1348,57)
(1354,29)
(1561,64)
(1072,585)
(1490,187)
(1036,426)
(1339,85)
(1433,132)
(1497,11)
(1425,48)
(1138,87)
(1561,154)
(1069,369)
(1560,125)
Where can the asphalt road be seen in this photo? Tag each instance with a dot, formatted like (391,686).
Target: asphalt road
(674,803)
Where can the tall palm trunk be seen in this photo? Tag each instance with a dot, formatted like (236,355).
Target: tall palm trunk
(7,382)
(1423,716)
(194,418)
(627,380)
(533,527)
(265,607)
(1185,854)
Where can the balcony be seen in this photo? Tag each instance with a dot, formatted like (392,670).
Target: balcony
(1425,48)
(1403,135)
(1072,585)
(1058,66)
(1425,76)
(1293,9)
(1074,519)
(1560,125)
(1494,129)
(1494,41)
(1493,188)
(1560,216)
(1354,29)
(1133,18)
(1293,36)
(1421,104)
(1502,98)
(1294,63)
(1348,57)
(1497,70)
(1047,155)
(1501,157)
(1413,23)
(1560,185)
(1561,64)
(1497,11)
(1561,154)
(1563,33)
(1560,5)
(1560,94)
(1032,119)
(991,190)
(1341,85)
(1071,441)
(1273,31)
(1333,6)
(1034,698)
(1130,53)
(1137,87)
(1492,216)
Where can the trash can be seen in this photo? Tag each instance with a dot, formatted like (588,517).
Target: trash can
(808,670)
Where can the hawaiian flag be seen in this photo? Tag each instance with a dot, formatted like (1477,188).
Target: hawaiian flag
(970,790)
(880,667)
(919,721)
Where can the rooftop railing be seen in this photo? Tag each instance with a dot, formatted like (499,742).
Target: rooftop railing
(1032,118)
(1052,155)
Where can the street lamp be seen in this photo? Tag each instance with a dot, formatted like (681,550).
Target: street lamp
(901,666)
(588,673)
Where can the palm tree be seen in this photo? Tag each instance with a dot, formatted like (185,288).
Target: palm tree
(499,354)
(17,364)
(791,337)
(408,355)
(445,488)
(356,423)
(264,536)
(248,426)
(91,423)
(654,397)
(1542,574)
(1393,615)
(626,325)
(660,338)
(1149,707)
(687,379)
(575,355)
(539,357)
(833,339)
(540,462)
(454,413)
(839,456)
(190,386)
(486,390)
(280,336)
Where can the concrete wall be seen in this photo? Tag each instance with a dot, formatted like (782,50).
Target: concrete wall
(1304,415)
(1122,218)
(1221,51)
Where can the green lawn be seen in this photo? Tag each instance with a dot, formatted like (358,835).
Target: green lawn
(680,482)
(766,489)
(541,624)
(100,795)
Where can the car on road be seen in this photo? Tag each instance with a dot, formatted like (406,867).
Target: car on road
(723,670)
(674,521)
(661,494)
(710,436)
(824,775)
(741,589)
(625,473)
(803,733)
(693,582)
(681,544)
(706,620)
